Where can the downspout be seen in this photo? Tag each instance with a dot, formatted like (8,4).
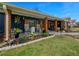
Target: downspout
(6,22)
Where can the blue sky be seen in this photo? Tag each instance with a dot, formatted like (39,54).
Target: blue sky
(60,9)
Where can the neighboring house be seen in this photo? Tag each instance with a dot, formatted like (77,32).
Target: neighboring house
(72,23)
(12,17)
(77,24)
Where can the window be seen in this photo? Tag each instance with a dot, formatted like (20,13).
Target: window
(1,24)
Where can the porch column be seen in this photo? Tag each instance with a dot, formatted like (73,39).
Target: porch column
(23,24)
(63,23)
(46,24)
(67,27)
(55,25)
(7,23)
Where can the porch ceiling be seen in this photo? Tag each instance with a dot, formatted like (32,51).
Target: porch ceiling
(27,12)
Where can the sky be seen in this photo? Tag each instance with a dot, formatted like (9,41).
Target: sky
(59,9)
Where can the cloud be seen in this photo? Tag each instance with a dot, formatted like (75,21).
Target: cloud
(70,8)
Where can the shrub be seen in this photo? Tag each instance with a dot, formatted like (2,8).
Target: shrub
(45,34)
(32,36)
(22,38)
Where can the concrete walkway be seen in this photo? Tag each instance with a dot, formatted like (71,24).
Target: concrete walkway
(64,33)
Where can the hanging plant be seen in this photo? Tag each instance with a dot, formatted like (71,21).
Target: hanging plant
(17,19)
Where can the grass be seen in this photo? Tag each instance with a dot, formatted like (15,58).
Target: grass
(76,29)
(57,46)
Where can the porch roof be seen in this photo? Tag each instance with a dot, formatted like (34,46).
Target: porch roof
(52,19)
(26,12)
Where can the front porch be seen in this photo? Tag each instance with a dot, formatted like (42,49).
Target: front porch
(56,25)
(26,22)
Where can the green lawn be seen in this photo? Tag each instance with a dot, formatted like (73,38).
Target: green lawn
(59,45)
(76,29)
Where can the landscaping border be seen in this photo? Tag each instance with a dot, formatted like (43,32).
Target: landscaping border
(30,42)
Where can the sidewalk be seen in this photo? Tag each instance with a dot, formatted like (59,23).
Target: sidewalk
(64,33)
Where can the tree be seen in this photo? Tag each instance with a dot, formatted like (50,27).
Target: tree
(67,18)
(77,23)
(69,21)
